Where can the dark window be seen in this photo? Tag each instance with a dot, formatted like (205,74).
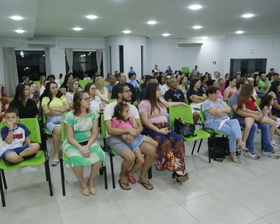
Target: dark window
(121,57)
(84,62)
(31,64)
(248,66)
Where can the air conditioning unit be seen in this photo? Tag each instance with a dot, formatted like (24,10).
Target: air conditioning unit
(184,44)
(42,41)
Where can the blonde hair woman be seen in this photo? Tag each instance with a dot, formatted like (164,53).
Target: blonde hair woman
(101,91)
(72,89)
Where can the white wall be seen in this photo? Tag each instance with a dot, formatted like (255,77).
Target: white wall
(258,46)
(132,53)
(164,52)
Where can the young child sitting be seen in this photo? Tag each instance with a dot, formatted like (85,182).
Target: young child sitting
(246,103)
(122,119)
(266,105)
(13,135)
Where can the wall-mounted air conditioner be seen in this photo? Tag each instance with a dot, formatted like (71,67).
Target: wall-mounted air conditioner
(187,44)
(42,41)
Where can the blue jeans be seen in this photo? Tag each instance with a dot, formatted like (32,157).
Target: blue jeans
(230,128)
(265,135)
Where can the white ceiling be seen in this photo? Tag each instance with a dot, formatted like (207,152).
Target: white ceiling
(218,18)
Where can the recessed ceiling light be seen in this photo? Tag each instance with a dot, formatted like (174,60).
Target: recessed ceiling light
(239,32)
(165,34)
(204,38)
(92,17)
(197,27)
(16,17)
(195,7)
(126,31)
(77,28)
(152,22)
(247,15)
(19,31)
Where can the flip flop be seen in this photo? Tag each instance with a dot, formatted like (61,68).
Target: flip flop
(130,178)
(127,184)
(146,184)
(235,160)
(54,162)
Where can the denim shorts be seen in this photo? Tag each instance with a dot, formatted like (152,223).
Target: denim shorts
(136,142)
(17,150)
(53,122)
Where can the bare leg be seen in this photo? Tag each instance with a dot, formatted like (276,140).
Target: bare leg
(150,153)
(94,170)
(151,141)
(196,117)
(249,123)
(272,124)
(129,159)
(56,141)
(14,157)
(34,147)
(79,171)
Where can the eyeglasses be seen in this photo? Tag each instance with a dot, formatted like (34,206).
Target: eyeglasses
(87,99)
(127,91)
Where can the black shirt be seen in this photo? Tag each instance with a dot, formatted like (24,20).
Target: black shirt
(175,96)
(30,109)
(193,92)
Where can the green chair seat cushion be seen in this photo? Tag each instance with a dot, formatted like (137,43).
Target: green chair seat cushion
(36,160)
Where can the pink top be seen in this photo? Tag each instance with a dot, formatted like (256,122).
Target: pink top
(220,95)
(121,124)
(157,116)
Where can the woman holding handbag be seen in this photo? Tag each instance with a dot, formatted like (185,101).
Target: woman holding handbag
(170,153)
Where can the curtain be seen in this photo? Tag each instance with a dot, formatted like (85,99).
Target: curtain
(48,61)
(10,70)
(98,60)
(69,58)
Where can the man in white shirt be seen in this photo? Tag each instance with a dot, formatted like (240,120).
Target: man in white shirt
(216,75)
(115,141)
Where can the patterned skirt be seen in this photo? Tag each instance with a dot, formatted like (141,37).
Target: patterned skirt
(170,153)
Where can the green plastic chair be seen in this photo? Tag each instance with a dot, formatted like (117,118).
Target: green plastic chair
(185,70)
(258,101)
(84,82)
(163,74)
(185,113)
(210,131)
(32,125)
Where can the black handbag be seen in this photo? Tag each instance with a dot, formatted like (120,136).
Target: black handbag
(183,129)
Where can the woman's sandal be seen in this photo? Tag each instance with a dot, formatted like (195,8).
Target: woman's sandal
(127,184)
(242,147)
(130,178)
(148,185)
(235,160)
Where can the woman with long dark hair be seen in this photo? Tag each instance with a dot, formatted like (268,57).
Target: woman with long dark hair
(275,92)
(170,153)
(64,86)
(230,88)
(54,105)
(80,146)
(27,108)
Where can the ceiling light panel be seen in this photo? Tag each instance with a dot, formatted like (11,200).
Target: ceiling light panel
(195,7)
(77,28)
(239,32)
(152,22)
(197,27)
(91,17)
(126,31)
(16,17)
(19,31)
(249,15)
(165,34)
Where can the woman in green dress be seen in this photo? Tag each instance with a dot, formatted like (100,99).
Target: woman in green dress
(80,146)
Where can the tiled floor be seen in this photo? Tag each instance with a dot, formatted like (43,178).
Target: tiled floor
(215,193)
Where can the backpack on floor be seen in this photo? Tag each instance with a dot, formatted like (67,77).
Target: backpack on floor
(222,147)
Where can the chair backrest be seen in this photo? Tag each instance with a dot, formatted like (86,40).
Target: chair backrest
(103,126)
(202,115)
(62,129)
(185,69)
(183,112)
(32,125)
(258,101)
(112,100)
(84,82)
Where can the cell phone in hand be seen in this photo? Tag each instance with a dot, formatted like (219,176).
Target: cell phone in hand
(169,128)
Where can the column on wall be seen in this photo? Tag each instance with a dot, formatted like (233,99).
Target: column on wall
(131,47)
